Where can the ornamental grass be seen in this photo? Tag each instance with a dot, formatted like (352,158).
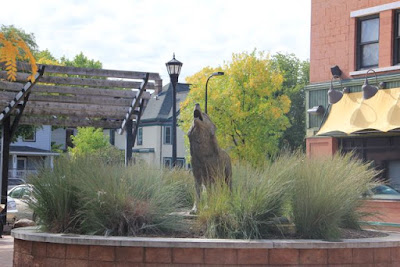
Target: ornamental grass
(87,196)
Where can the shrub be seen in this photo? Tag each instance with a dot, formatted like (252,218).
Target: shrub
(257,198)
(87,196)
(326,195)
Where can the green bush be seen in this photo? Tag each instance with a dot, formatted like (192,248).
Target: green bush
(93,195)
(87,196)
(319,196)
(326,195)
(257,198)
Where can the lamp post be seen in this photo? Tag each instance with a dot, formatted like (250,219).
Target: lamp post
(219,73)
(174,69)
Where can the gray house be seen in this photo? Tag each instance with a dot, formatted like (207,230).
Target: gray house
(29,153)
(154,138)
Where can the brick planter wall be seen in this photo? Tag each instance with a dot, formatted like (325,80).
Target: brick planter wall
(41,249)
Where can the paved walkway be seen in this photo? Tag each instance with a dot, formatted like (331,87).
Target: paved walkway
(6,250)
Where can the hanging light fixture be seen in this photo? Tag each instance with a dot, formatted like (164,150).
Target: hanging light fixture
(369,90)
(334,96)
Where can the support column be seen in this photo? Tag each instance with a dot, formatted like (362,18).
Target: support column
(5,154)
(52,162)
(14,165)
(129,142)
(317,147)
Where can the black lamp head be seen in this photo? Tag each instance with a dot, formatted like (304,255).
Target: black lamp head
(334,96)
(174,66)
(369,90)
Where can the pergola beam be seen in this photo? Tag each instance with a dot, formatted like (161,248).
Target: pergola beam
(21,77)
(135,104)
(70,122)
(20,95)
(93,72)
(61,89)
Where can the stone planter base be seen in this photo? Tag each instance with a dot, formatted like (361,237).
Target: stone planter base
(34,248)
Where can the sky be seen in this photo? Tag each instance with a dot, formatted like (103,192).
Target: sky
(141,35)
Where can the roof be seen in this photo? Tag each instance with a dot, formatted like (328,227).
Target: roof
(27,150)
(353,114)
(159,107)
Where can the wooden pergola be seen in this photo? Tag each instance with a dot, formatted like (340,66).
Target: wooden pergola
(72,97)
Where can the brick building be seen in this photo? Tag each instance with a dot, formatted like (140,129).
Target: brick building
(355,36)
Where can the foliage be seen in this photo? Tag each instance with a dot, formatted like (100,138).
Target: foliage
(246,104)
(13,48)
(45,57)
(81,61)
(259,196)
(89,140)
(29,38)
(87,196)
(295,77)
(92,141)
(319,195)
(326,195)
(15,45)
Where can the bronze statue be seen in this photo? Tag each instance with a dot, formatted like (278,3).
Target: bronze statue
(209,161)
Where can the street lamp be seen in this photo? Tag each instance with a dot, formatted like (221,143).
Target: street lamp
(174,69)
(219,73)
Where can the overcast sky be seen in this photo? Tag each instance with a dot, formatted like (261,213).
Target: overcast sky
(142,35)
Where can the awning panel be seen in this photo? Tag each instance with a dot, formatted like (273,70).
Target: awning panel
(353,114)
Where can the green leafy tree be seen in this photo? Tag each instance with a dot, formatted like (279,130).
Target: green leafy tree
(81,61)
(16,44)
(91,141)
(88,141)
(247,105)
(29,38)
(296,75)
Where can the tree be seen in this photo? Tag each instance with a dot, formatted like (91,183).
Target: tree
(247,105)
(13,48)
(15,45)
(88,141)
(296,75)
(81,61)
(29,38)
(91,142)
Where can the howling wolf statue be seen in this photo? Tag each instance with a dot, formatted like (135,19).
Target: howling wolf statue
(209,161)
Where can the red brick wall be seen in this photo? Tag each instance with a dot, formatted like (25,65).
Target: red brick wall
(321,146)
(386,211)
(333,36)
(29,253)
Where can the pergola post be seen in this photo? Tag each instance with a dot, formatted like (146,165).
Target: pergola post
(129,142)
(5,154)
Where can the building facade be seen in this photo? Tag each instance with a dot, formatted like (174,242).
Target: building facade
(153,142)
(30,153)
(352,40)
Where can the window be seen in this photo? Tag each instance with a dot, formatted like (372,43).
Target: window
(140,136)
(396,38)
(180,162)
(167,135)
(368,42)
(31,137)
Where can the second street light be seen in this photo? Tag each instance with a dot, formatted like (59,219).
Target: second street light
(174,69)
(219,73)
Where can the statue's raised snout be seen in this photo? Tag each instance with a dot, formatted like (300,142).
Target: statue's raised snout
(197,112)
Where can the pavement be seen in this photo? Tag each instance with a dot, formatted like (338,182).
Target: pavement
(6,250)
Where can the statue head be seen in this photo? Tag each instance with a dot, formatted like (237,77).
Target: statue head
(203,129)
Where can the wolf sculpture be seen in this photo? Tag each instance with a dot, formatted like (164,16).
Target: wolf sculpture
(209,161)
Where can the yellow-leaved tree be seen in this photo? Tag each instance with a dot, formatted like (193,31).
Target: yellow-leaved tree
(247,105)
(12,49)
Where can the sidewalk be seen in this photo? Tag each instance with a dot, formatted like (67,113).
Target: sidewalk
(6,250)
